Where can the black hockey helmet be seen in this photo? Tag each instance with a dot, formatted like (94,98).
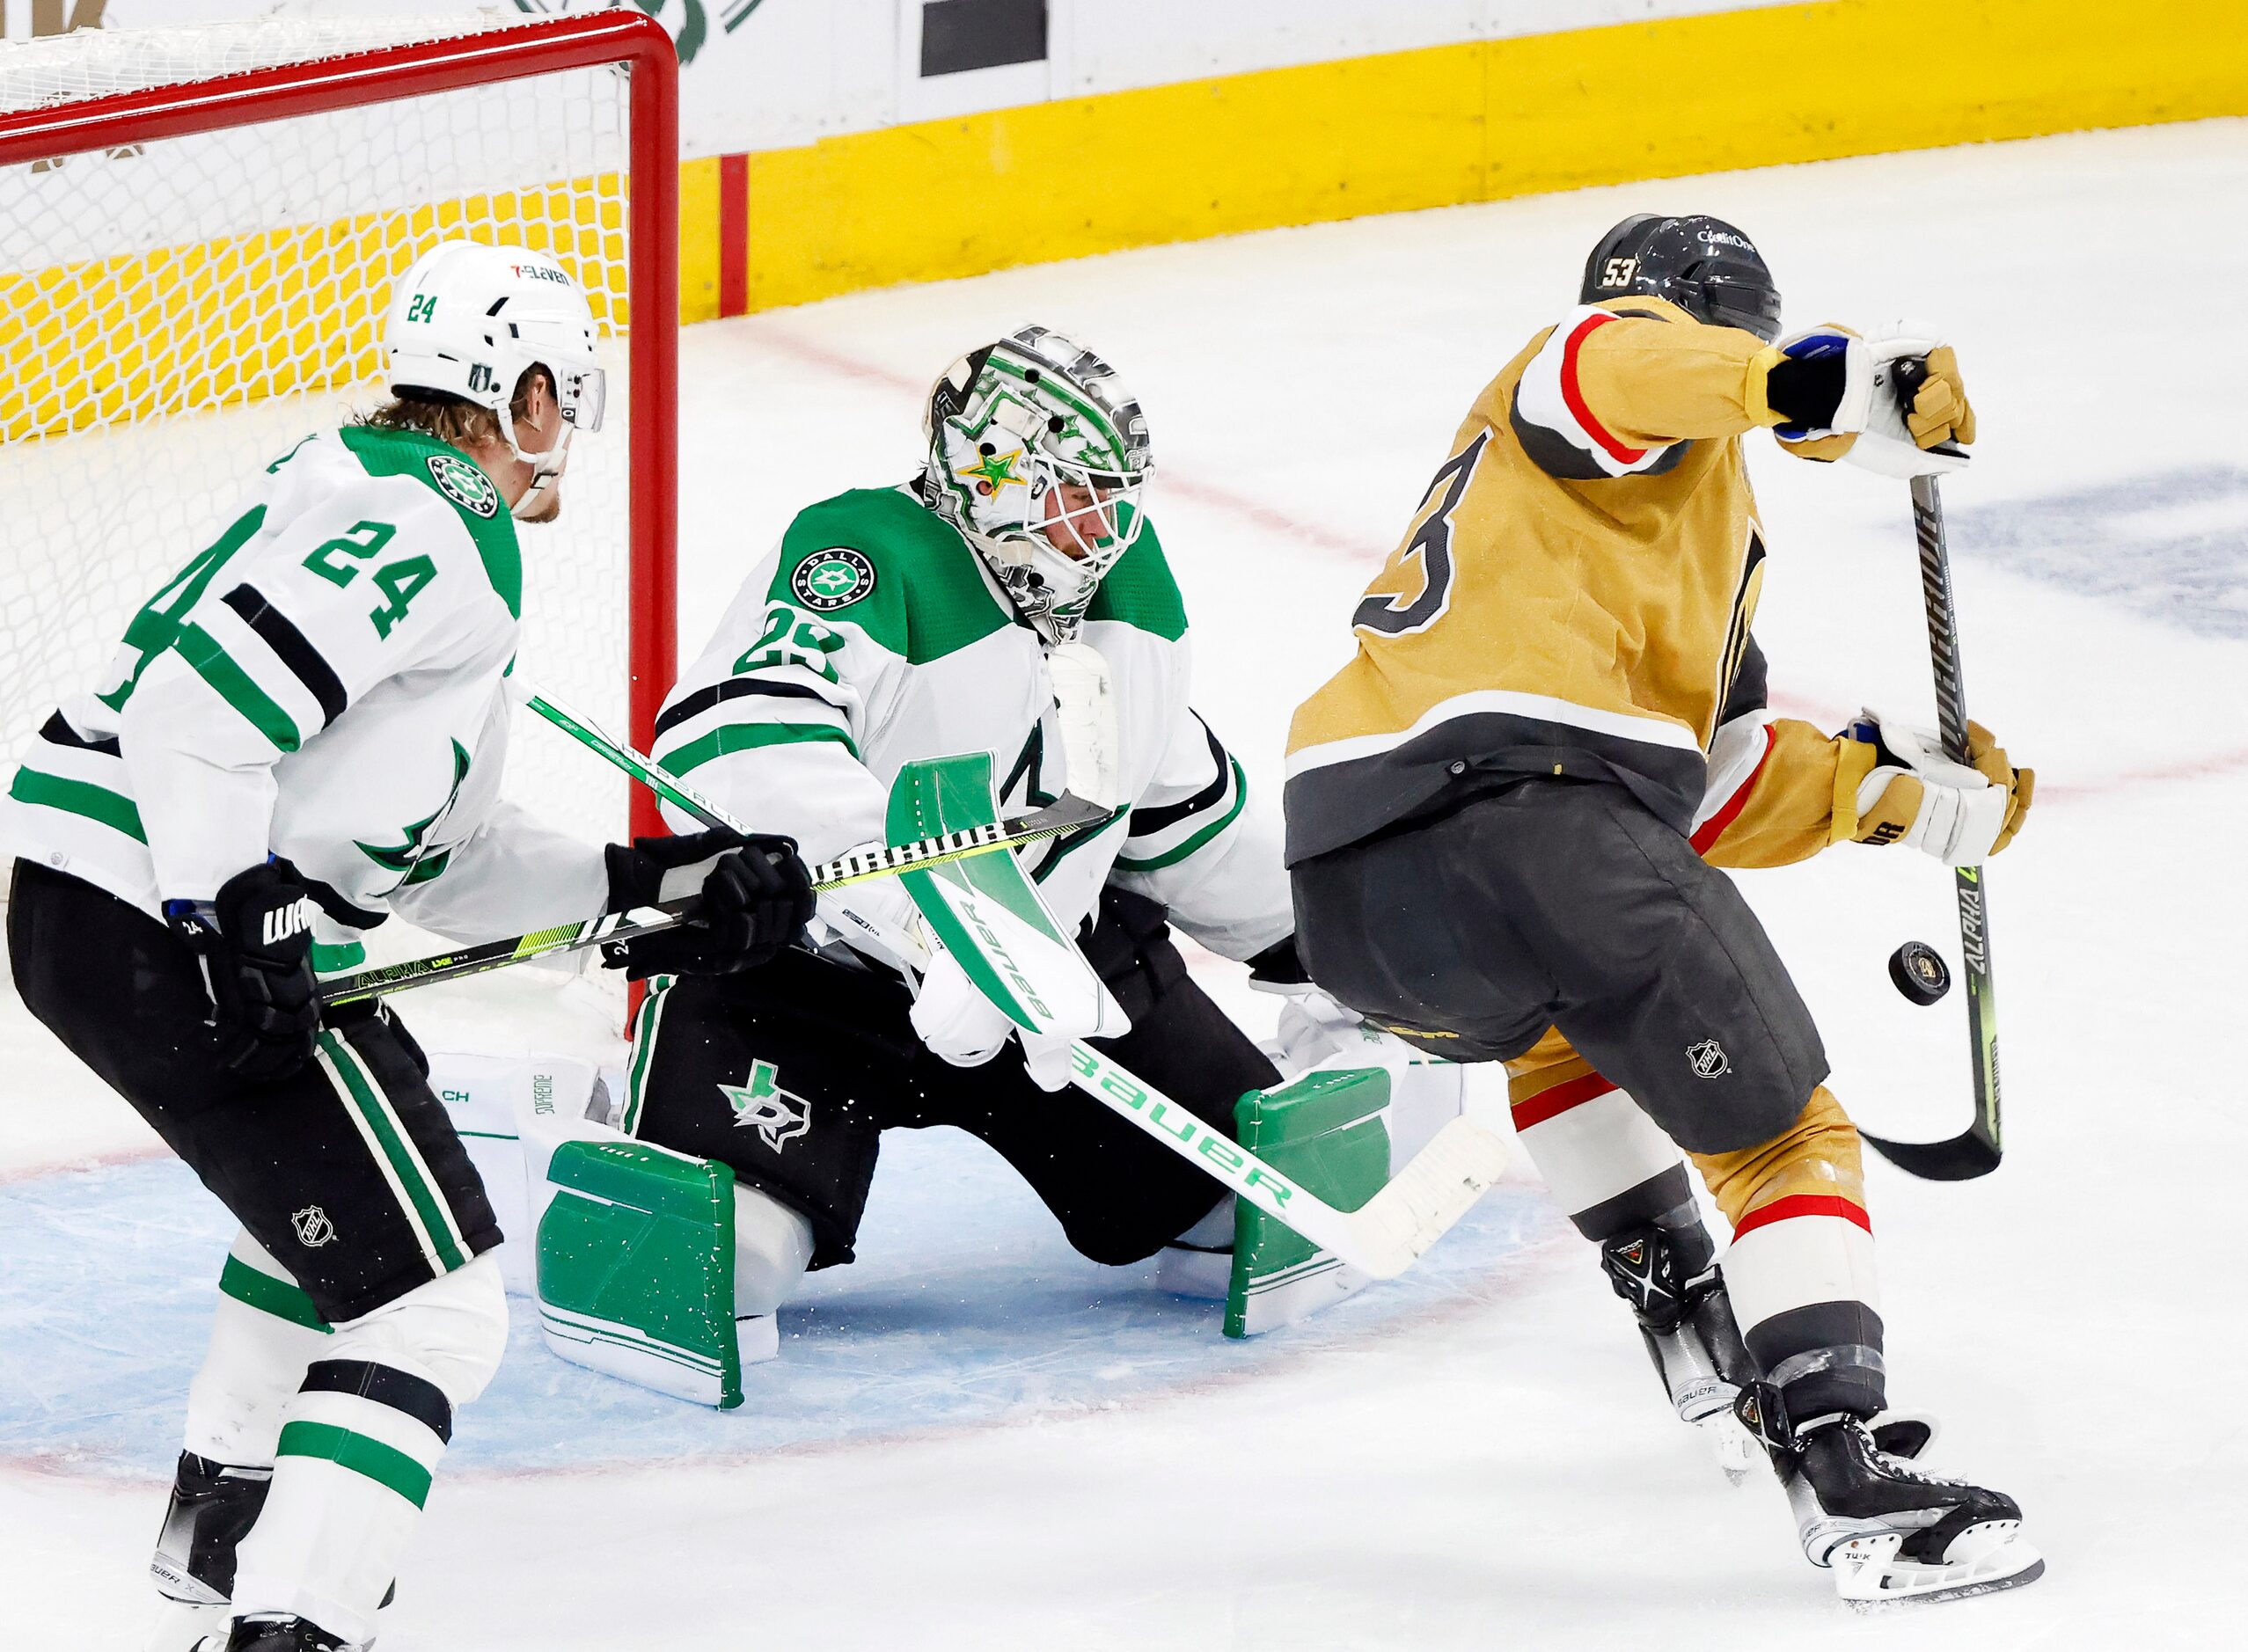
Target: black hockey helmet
(1704,265)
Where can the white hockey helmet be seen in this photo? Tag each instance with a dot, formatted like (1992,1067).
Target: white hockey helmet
(470,320)
(1011,426)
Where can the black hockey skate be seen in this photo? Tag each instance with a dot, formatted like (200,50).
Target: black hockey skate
(1889,1531)
(1691,1335)
(264,1633)
(212,1508)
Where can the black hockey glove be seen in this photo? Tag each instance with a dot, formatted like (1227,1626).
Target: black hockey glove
(756,897)
(254,942)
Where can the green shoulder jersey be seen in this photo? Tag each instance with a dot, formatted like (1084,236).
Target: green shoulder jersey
(871,635)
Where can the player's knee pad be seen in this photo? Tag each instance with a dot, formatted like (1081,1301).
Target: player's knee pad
(772,1247)
(452,1330)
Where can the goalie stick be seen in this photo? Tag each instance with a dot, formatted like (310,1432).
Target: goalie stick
(990,915)
(1975,1151)
(1383,1236)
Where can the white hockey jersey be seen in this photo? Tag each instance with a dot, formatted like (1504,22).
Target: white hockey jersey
(872,635)
(324,684)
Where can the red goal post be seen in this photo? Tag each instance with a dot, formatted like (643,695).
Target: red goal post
(117,125)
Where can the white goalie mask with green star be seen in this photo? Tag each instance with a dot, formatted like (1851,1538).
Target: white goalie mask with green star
(1039,455)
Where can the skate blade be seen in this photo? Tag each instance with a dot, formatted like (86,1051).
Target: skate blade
(182,1625)
(1983,1559)
(1735,1449)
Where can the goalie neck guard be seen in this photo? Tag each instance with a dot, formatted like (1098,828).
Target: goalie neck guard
(1702,264)
(1038,454)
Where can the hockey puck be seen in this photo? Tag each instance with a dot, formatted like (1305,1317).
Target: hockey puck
(1919,972)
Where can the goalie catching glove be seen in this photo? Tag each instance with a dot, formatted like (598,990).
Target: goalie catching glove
(254,944)
(1839,396)
(755,897)
(1907,791)
(957,1021)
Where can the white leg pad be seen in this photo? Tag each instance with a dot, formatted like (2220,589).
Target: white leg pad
(497,1103)
(772,1247)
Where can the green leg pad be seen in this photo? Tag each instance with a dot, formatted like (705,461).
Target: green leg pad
(636,1267)
(1327,1131)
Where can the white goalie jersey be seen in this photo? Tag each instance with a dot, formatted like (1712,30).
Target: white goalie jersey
(324,684)
(872,636)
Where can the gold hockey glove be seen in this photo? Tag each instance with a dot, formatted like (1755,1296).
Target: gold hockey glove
(1894,785)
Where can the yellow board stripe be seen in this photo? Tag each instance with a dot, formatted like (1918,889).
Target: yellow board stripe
(1480,121)
(1475,122)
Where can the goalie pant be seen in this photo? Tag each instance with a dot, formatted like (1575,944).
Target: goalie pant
(358,1311)
(790,1073)
(1559,926)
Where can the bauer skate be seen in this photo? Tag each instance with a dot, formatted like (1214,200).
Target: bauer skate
(1888,1531)
(212,1508)
(267,1634)
(1692,1337)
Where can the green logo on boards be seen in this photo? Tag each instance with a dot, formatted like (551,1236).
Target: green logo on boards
(832,580)
(464,484)
(777,1116)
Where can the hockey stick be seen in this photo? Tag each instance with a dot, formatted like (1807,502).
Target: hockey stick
(612,926)
(1383,1236)
(1975,1151)
(1067,816)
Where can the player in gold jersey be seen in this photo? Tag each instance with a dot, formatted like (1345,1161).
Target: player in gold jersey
(1505,813)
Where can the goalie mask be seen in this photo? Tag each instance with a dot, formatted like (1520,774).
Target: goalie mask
(1039,455)
(470,320)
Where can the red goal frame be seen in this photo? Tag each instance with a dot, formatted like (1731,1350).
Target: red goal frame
(514,52)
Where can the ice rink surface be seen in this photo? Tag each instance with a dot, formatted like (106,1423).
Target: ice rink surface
(1484,1460)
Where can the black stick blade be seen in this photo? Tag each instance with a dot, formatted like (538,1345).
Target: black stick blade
(1962,1158)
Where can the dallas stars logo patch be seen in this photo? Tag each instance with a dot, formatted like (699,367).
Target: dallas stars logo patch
(777,1116)
(464,484)
(832,580)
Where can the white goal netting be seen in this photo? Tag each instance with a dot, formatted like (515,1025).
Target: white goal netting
(175,314)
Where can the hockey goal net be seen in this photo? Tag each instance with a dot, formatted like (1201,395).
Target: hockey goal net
(199,230)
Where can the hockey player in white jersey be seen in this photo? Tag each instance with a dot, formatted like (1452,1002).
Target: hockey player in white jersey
(310,721)
(1014,585)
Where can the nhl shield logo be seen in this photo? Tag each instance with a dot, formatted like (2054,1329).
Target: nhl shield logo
(313,1228)
(1708,1059)
(778,1117)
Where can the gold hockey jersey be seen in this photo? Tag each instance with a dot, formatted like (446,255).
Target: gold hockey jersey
(1574,597)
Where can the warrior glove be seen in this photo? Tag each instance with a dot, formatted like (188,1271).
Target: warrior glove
(1910,793)
(254,944)
(1893,403)
(755,897)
